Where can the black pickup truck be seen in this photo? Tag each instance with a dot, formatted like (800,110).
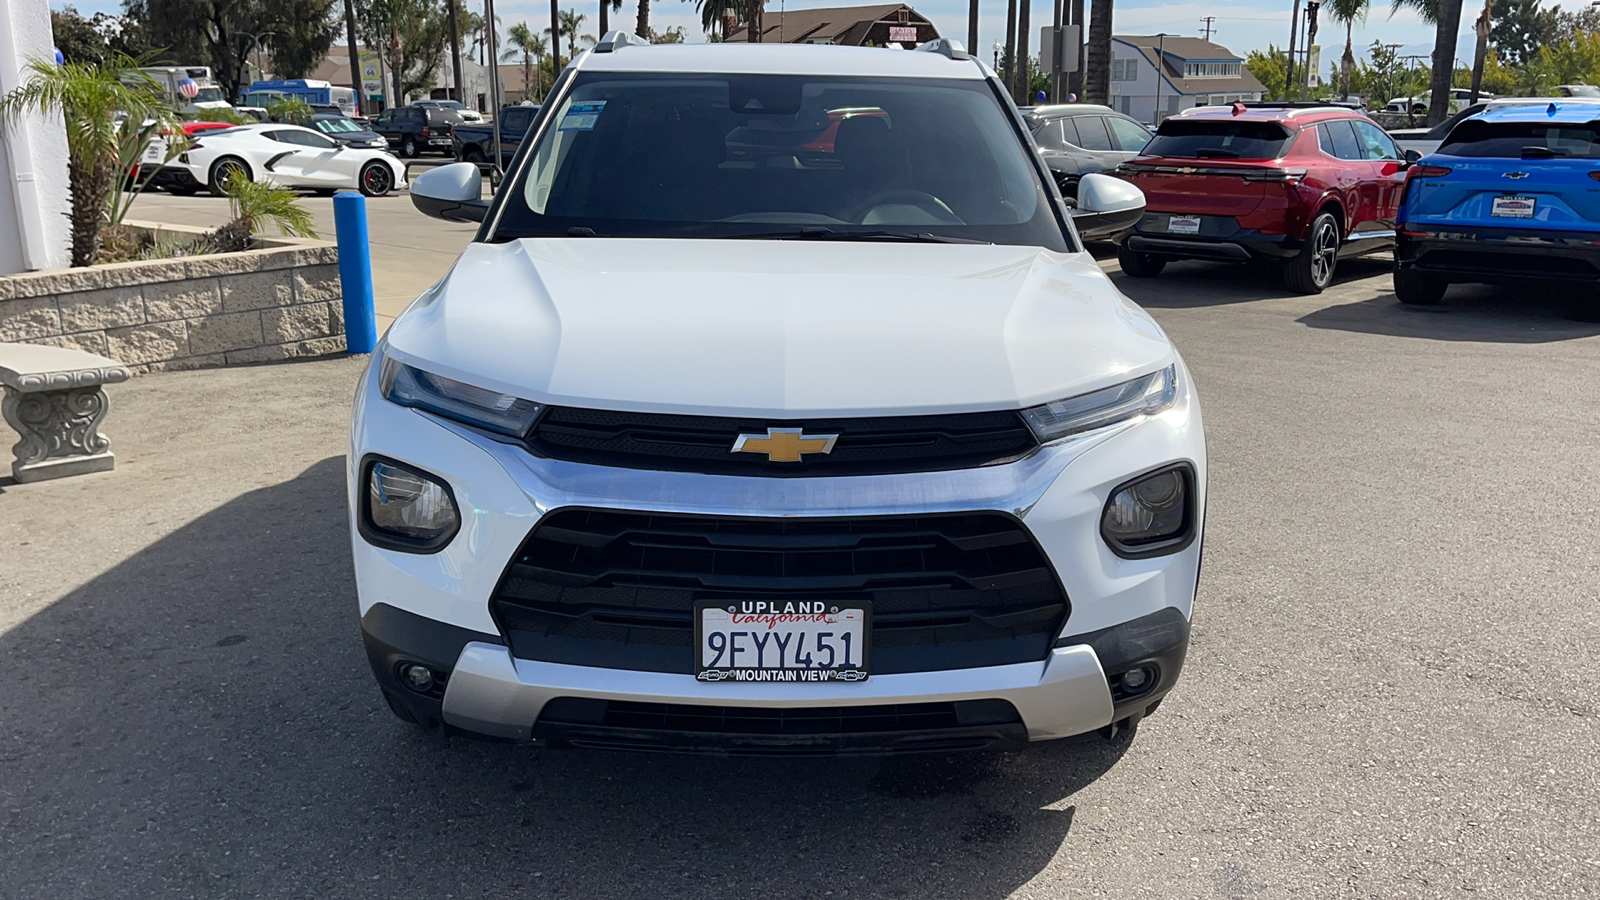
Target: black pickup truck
(474,142)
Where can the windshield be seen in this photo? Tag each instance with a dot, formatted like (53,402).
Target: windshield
(1213,139)
(780,156)
(208,95)
(335,126)
(1519,140)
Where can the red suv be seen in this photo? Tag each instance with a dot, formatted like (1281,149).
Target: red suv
(1300,186)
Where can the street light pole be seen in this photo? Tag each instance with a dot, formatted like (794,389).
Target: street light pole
(255,41)
(1161,57)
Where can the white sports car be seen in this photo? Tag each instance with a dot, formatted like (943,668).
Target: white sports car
(287,155)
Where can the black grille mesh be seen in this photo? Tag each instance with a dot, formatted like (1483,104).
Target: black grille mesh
(617,589)
(866,446)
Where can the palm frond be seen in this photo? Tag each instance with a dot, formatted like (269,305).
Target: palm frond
(261,204)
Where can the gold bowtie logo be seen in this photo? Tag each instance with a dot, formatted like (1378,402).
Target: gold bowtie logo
(785,444)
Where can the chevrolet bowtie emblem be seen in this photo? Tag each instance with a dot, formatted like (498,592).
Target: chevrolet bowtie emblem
(1517,175)
(785,444)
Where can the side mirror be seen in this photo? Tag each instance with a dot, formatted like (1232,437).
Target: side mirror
(453,193)
(1106,206)
(1412,157)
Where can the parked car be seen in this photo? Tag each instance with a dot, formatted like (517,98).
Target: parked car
(348,131)
(1427,140)
(281,154)
(475,143)
(1577,90)
(415,130)
(1077,139)
(331,110)
(1510,196)
(1300,187)
(467,113)
(876,412)
(1418,105)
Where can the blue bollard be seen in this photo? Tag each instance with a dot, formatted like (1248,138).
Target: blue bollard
(355,272)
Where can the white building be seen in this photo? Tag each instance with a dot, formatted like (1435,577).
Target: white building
(1191,73)
(335,69)
(34,231)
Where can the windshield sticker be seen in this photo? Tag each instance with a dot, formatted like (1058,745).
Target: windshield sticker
(582,116)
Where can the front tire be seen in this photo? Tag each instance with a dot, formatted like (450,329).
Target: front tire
(1312,270)
(376,180)
(1416,289)
(1139,265)
(222,170)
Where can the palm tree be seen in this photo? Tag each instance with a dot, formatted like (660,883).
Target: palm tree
(1349,12)
(1097,75)
(1011,49)
(571,23)
(521,41)
(714,15)
(1445,17)
(607,7)
(90,98)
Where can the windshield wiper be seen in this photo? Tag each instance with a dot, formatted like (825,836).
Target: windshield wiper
(1209,153)
(1537,152)
(824,233)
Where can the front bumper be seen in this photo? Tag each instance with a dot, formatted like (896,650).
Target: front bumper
(1125,613)
(482,689)
(1494,255)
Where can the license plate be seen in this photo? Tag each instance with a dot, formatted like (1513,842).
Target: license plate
(153,153)
(781,640)
(1513,207)
(1183,225)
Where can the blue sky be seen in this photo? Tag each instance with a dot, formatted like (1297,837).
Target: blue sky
(1241,25)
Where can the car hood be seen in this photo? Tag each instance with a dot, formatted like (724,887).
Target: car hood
(356,137)
(758,327)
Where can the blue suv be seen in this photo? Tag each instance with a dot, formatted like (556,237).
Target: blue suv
(1512,194)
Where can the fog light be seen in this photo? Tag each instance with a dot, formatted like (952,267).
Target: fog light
(1150,515)
(1134,680)
(418,678)
(407,509)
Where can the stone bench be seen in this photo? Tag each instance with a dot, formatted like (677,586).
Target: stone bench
(55,399)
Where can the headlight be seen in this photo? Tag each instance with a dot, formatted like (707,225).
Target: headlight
(1140,397)
(490,410)
(406,509)
(1151,515)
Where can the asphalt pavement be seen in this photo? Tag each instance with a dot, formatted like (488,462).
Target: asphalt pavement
(1388,692)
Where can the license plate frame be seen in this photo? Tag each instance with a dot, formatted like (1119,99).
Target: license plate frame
(1510,207)
(788,617)
(1183,225)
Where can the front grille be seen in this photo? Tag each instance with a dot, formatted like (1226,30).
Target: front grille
(617,589)
(866,446)
(886,728)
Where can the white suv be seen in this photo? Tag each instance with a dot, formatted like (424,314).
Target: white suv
(777,408)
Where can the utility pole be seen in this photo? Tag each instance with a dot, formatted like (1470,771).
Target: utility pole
(455,52)
(1294,32)
(1056,49)
(1024,89)
(1207,26)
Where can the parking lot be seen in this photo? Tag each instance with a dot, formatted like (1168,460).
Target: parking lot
(1388,692)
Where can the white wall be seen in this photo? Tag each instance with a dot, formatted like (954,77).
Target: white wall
(34,232)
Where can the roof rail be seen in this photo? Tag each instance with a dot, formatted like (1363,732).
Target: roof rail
(945,47)
(617,39)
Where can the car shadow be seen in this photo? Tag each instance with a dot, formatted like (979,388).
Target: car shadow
(1192,284)
(200,720)
(1514,315)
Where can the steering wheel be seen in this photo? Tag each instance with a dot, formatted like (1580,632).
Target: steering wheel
(920,199)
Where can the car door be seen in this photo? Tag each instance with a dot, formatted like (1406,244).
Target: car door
(1390,177)
(283,163)
(1129,136)
(321,161)
(386,126)
(1353,178)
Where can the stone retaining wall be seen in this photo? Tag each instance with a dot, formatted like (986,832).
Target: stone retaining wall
(280,301)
